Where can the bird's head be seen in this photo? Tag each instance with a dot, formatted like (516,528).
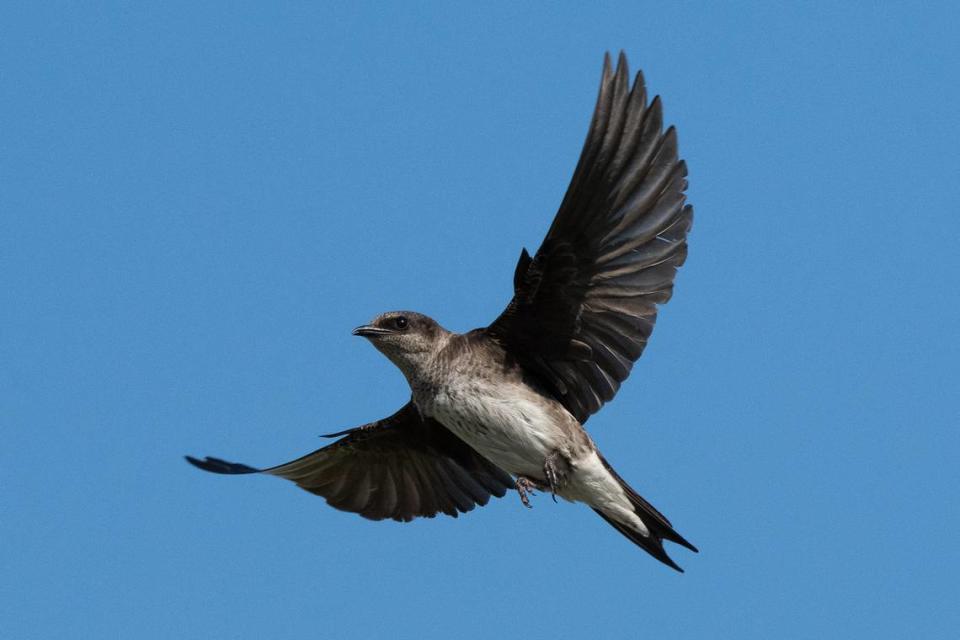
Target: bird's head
(407,338)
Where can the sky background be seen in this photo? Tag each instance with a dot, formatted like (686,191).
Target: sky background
(197,205)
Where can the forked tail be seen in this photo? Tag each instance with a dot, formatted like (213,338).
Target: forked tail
(658,527)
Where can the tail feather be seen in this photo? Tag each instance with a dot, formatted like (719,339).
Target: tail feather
(658,527)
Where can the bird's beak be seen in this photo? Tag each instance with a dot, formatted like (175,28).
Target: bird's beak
(369,331)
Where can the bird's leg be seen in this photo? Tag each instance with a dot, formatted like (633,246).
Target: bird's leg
(556,468)
(525,487)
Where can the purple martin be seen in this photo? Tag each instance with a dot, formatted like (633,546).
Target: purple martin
(503,407)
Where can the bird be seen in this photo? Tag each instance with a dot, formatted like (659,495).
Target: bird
(503,407)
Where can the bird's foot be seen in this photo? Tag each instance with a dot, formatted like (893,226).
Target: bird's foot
(525,487)
(556,468)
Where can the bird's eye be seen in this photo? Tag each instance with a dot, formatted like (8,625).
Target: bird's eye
(400,322)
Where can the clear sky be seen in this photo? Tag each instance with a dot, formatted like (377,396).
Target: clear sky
(197,205)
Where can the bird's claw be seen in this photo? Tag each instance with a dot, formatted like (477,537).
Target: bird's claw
(525,487)
(551,480)
(556,469)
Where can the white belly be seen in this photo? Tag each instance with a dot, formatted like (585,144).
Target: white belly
(514,428)
(508,424)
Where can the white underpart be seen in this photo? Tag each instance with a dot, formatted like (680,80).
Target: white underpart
(510,425)
(593,484)
(505,423)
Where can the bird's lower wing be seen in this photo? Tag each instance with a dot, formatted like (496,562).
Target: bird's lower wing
(401,467)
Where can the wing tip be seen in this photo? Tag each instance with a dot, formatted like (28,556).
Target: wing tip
(340,433)
(216,465)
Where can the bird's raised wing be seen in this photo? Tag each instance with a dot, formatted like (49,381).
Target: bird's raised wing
(401,467)
(585,304)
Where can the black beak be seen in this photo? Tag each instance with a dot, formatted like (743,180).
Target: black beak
(369,331)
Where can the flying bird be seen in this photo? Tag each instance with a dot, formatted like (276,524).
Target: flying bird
(503,407)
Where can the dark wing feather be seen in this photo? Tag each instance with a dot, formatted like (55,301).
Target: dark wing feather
(585,304)
(401,467)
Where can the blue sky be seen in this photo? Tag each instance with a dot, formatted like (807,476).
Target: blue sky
(198,204)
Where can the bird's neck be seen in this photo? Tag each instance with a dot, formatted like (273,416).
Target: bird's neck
(424,368)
